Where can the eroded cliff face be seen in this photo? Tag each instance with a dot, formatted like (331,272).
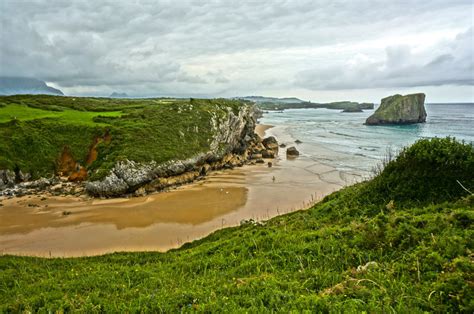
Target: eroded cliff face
(233,137)
(398,109)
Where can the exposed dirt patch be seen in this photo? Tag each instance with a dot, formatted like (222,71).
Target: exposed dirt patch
(93,153)
(68,166)
(79,175)
(67,163)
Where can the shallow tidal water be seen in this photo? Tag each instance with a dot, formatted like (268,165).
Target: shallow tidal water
(341,140)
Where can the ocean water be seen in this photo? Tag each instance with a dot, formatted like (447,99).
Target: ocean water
(341,140)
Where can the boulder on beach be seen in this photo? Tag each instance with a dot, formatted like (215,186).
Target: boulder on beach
(270,143)
(298,142)
(398,109)
(292,152)
(268,153)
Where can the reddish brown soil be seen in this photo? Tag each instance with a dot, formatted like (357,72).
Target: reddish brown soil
(66,163)
(93,153)
(68,166)
(79,175)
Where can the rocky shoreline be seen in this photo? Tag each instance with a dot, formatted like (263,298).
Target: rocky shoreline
(235,144)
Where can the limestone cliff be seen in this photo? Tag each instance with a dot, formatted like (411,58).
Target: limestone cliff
(398,109)
(233,135)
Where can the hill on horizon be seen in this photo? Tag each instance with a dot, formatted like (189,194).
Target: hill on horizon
(10,85)
(118,95)
(263,99)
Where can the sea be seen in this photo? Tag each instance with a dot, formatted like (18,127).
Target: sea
(341,140)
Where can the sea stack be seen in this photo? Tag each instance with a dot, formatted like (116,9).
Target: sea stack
(398,109)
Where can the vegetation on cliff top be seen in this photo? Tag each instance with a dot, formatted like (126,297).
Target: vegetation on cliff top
(398,109)
(366,248)
(339,105)
(35,129)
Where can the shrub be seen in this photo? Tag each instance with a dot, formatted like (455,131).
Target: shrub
(426,172)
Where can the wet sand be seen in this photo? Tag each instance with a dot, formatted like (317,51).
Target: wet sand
(71,226)
(260,129)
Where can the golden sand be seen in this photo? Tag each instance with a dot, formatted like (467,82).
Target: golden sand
(260,129)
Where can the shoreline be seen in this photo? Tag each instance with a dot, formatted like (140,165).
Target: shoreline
(69,226)
(261,129)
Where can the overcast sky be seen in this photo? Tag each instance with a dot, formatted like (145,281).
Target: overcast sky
(318,50)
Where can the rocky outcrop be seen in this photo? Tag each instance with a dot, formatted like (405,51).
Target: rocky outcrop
(398,109)
(54,186)
(234,143)
(7,179)
(270,143)
(352,110)
(292,152)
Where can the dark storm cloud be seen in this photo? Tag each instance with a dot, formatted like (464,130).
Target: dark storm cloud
(146,47)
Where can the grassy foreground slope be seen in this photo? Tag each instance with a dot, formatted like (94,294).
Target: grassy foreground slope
(364,248)
(34,129)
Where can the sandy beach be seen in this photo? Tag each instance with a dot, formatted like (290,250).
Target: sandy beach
(261,129)
(79,226)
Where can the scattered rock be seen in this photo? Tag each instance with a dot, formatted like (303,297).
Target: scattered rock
(270,164)
(292,151)
(256,156)
(398,109)
(298,142)
(23,177)
(39,184)
(204,169)
(260,161)
(268,153)
(282,145)
(355,109)
(7,178)
(270,143)
(140,191)
(109,186)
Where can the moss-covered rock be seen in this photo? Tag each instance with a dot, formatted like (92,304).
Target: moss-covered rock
(398,109)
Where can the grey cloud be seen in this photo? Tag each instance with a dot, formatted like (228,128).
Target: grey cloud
(401,68)
(170,46)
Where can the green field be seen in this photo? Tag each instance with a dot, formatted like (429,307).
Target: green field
(24,113)
(421,245)
(34,129)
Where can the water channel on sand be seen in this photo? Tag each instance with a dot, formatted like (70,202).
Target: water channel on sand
(78,226)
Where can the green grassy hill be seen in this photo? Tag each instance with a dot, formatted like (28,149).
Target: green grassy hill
(369,247)
(34,129)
